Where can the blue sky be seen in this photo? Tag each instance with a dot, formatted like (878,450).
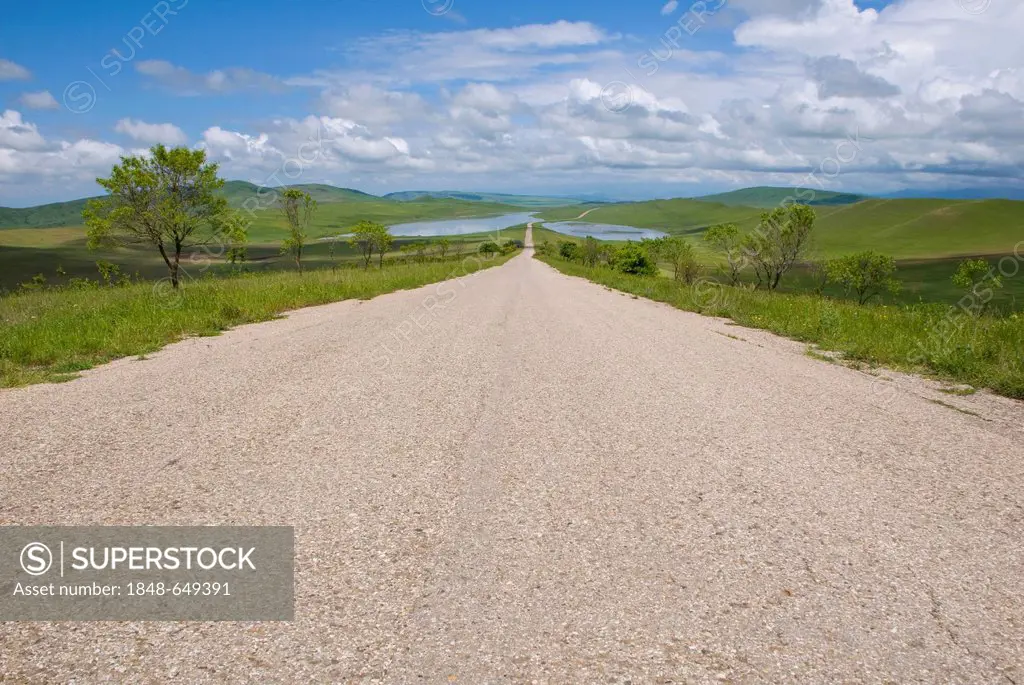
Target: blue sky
(640,99)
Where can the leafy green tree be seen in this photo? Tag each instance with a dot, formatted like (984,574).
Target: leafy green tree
(169,199)
(590,252)
(817,270)
(570,250)
(490,248)
(443,246)
(970,276)
(727,240)
(683,258)
(867,274)
(364,239)
(633,259)
(971,273)
(382,242)
(298,208)
(778,242)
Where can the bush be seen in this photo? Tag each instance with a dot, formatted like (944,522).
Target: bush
(632,259)
(567,249)
(490,248)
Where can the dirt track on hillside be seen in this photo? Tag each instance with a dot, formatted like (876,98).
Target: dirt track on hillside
(547,481)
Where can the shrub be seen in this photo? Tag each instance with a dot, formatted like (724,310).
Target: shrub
(567,249)
(490,248)
(633,259)
(867,274)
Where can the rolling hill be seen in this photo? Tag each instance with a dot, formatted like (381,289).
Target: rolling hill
(767,196)
(538,201)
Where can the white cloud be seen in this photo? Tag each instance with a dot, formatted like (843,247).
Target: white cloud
(39,100)
(184,82)
(669,7)
(140,131)
(9,71)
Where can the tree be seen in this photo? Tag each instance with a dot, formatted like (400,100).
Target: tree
(569,249)
(490,248)
(726,239)
(591,251)
(633,259)
(867,274)
(778,242)
(970,275)
(298,208)
(817,270)
(442,247)
(168,199)
(683,258)
(382,242)
(364,239)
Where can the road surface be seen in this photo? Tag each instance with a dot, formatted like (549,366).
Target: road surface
(547,482)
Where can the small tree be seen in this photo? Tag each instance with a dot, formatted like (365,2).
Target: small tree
(570,250)
(867,274)
(382,242)
(970,276)
(298,208)
(817,270)
(490,248)
(727,240)
(633,259)
(591,251)
(169,199)
(443,246)
(364,239)
(683,258)
(778,242)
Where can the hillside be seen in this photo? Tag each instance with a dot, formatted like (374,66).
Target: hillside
(44,216)
(767,196)
(500,198)
(905,229)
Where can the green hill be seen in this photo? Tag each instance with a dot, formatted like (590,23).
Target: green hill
(499,198)
(767,196)
(905,229)
(44,216)
(238,192)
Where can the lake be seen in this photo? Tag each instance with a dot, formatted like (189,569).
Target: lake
(460,226)
(580,229)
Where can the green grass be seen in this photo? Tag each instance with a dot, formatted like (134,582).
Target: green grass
(905,229)
(768,197)
(50,335)
(934,339)
(26,252)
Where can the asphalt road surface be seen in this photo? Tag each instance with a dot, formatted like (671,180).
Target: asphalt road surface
(538,479)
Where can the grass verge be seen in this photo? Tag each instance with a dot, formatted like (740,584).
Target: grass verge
(929,338)
(50,335)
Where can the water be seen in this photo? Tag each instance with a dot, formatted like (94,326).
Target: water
(460,226)
(580,229)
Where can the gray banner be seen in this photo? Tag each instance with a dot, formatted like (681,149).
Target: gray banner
(100,573)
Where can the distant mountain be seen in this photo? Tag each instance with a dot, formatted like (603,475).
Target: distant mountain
(44,216)
(499,198)
(238,191)
(767,196)
(70,213)
(961,194)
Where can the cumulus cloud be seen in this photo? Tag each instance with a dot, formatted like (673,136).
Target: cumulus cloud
(39,100)
(838,77)
(140,131)
(184,82)
(9,71)
(669,7)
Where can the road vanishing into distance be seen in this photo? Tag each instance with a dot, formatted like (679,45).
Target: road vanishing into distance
(521,476)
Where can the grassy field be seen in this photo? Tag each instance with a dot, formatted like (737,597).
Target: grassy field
(50,335)
(924,280)
(904,229)
(934,339)
(25,252)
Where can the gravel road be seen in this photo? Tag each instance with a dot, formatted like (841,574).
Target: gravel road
(522,476)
